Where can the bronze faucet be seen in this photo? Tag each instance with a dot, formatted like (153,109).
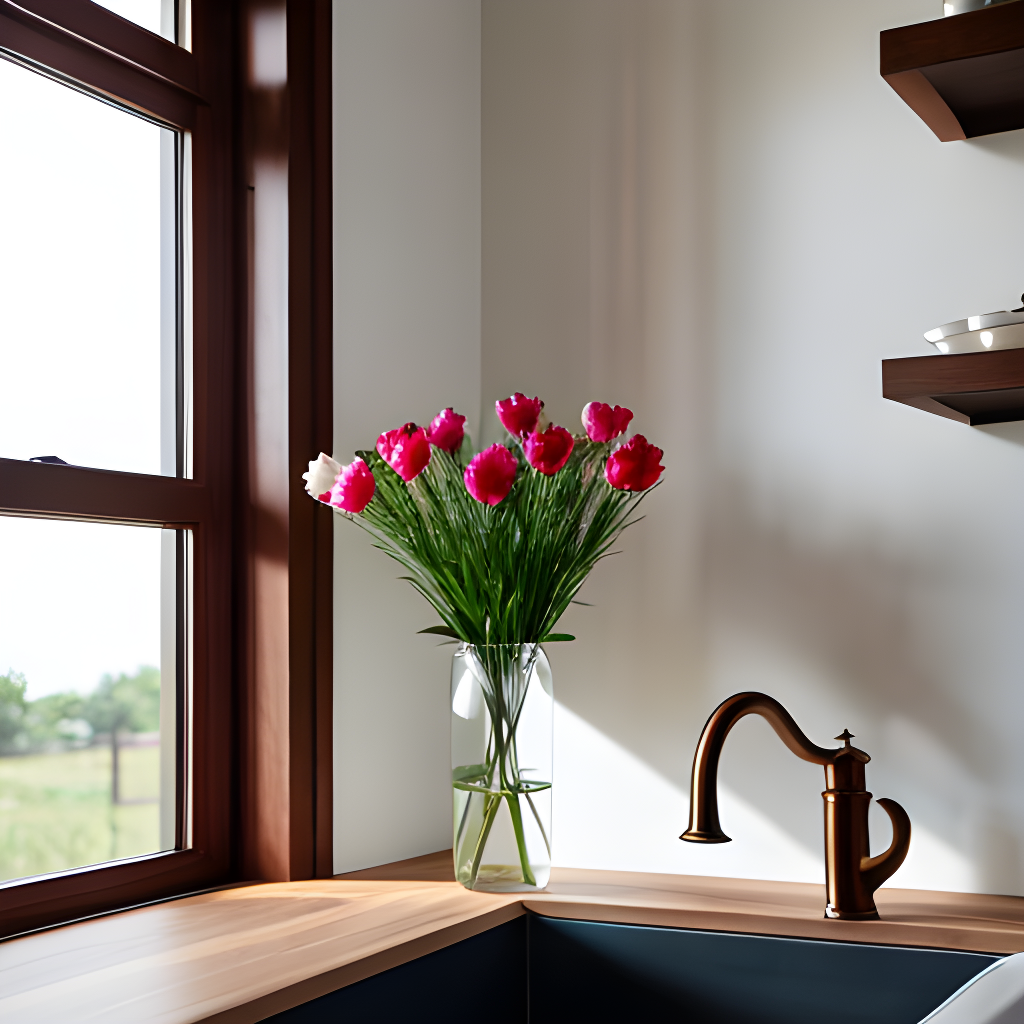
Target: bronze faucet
(851,875)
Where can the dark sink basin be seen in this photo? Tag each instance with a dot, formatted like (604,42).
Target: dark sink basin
(581,970)
(552,971)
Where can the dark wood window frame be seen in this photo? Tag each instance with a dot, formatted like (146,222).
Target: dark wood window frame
(262,622)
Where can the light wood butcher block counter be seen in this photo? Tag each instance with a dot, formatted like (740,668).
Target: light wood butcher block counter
(244,953)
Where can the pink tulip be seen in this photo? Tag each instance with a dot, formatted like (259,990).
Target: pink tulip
(602,422)
(635,466)
(353,489)
(519,414)
(446,431)
(548,452)
(406,450)
(490,474)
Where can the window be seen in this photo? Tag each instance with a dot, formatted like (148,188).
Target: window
(165,359)
(89,280)
(89,755)
(116,670)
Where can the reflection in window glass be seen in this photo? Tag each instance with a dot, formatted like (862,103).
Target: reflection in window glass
(87,694)
(87,265)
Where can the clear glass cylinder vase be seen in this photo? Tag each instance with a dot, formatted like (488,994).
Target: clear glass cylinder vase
(502,718)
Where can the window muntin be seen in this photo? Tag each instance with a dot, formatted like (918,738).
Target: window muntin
(90,281)
(93,680)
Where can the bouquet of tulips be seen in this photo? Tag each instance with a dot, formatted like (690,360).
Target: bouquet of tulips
(499,542)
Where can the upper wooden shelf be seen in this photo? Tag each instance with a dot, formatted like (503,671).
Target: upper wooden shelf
(964,75)
(974,388)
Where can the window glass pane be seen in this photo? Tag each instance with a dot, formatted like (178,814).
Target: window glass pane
(156,15)
(88,656)
(87,280)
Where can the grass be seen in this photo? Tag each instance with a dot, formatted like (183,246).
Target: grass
(56,812)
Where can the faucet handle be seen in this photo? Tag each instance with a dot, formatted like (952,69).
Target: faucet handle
(845,736)
(875,870)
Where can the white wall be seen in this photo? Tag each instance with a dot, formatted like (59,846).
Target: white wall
(717,213)
(735,221)
(866,559)
(407,344)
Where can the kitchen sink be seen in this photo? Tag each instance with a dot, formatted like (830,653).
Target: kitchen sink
(546,970)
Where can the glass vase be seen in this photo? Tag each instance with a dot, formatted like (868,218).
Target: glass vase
(502,707)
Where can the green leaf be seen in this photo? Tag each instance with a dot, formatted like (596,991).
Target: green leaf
(469,772)
(553,638)
(441,631)
(526,786)
(498,574)
(470,788)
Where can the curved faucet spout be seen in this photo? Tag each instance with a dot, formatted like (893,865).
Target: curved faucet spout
(704,825)
(851,874)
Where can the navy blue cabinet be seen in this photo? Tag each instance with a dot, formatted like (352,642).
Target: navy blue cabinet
(538,970)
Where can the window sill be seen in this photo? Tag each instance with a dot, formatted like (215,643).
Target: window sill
(241,954)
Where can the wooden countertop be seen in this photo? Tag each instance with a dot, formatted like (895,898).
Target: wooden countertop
(242,954)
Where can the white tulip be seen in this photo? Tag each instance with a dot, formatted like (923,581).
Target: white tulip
(322,474)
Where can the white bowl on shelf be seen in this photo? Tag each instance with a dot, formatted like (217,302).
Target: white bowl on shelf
(984,333)
(951,7)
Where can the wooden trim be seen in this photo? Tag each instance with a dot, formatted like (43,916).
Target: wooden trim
(73,492)
(267,783)
(311,408)
(48,46)
(289,575)
(122,39)
(26,905)
(321,222)
(919,94)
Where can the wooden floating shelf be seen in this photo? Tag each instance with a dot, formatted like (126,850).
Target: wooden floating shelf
(964,75)
(974,388)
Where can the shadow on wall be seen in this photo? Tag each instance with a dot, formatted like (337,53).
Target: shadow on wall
(1008,145)
(841,634)
(1011,432)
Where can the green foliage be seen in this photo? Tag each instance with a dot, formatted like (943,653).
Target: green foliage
(130,703)
(12,709)
(501,574)
(54,720)
(127,703)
